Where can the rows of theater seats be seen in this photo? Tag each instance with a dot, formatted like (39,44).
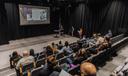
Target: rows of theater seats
(33,69)
(101,57)
(41,59)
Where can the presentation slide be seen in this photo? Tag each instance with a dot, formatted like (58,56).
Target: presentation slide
(30,15)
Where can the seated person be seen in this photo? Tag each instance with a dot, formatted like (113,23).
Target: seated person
(49,50)
(100,43)
(87,69)
(105,44)
(93,40)
(84,37)
(94,35)
(67,48)
(25,60)
(99,40)
(109,34)
(32,52)
(70,62)
(65,66)
(79,57)
(14,59)
(49,67)
(60,45)
(54,48)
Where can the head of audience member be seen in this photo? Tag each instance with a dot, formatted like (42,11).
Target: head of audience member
(32,52)
(25,53)
(87,69)
(80,44)
(51,62)
(48,48)
(66,43)
(107,38)
(53,44)
(57,45)
(60,42)
(94,35)
(81,52)
(14,54)
(99,34)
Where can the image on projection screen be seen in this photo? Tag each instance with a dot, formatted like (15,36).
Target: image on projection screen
(30,15)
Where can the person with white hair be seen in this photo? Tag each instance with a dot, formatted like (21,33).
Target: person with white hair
(25,60)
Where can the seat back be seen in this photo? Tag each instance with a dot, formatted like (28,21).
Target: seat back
(59,55)
(63,60)
(117,38)
(40,62)
(14,61)
(26,69)
(41,56)
(35,72)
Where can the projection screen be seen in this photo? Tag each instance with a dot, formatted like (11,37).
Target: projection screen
(31,15)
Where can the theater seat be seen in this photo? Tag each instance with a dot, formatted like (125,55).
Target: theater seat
(41,56)
(25,70)
(35,72)
(63,60)
(40,62)
(59,55)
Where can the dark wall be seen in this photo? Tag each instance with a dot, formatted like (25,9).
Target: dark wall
(99,16)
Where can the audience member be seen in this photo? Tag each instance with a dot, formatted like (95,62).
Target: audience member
(49,50)
(25,60)
(67,48)
(84,37)
(104,43)
(99,40)
(87,69)
(60,45)
(79,57)
(109,34)
(32,52)
(54,48)
(49,67)
(99,45)
(14,59)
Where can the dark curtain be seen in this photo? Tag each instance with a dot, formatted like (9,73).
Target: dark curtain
(99,17)
(76,16)
(113,16)
(3,25)
(13,22)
